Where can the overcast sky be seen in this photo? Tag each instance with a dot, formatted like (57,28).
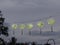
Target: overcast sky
(25,10)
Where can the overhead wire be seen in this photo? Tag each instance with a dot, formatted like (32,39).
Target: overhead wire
(41,19)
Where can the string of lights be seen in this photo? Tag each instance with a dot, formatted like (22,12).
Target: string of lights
(40,25)
(29,25)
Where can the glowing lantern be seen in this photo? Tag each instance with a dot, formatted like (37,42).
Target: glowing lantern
(29,27)
(40,25)
(22,26)
(51,22)
(14,26)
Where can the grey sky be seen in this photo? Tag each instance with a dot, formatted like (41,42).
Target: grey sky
(25,10)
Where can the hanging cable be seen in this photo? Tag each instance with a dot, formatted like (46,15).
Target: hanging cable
(44,18)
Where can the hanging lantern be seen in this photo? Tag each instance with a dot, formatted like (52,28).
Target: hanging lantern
(29,26)
(40,24)
(22,26)
(14,26)
(51,21)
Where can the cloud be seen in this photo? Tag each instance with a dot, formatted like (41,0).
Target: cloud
(7,4)
(22,3)
(23,8)
(29,3)
(54,4)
